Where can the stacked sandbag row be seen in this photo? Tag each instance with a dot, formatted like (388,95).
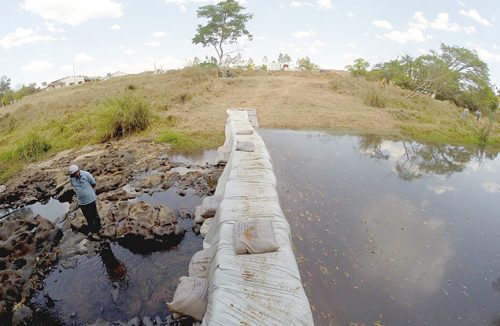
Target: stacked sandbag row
(247,273)
(253,278)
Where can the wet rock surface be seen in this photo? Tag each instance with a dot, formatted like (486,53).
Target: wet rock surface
(22,243)
(124,172)
(122,219)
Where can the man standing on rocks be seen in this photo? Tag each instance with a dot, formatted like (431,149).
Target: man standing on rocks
(84,183)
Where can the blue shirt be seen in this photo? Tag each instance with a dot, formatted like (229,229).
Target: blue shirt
(83,187)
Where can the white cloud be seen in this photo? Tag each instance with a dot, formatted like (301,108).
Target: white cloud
(469,30)
(461,3)
(316,46)
(23,36)
(82,58)
(488,56)
(325,4)
(304,34)
(419,21)
(491,187)
(182,8)
(474,14)
(443,23)
(411,35)
(73,12)
(116,27)
(152,44)
(350,14)
(67,68)
(159,34)
(382,24)
(441,190)
(53,28)
(37,66)
(295,4)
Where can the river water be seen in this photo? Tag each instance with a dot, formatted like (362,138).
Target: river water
(391,232)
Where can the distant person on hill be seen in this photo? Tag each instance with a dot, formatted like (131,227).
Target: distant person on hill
(465,113)
(84,183)
(478,114)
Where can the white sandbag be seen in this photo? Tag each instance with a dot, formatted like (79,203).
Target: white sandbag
(190,298)
(200,262)
(205,227)
(254,289)
(254,236)
(245,146)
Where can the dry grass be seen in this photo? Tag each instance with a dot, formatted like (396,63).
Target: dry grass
(188,107)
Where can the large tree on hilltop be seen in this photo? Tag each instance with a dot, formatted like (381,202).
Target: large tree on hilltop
(226,22)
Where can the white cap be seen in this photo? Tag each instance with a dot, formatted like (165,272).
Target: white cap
(73,169)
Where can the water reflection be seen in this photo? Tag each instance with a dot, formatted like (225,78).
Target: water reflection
(116,270)
(413,160)
(403,234)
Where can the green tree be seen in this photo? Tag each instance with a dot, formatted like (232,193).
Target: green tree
(226,22)
(359,67)
(284,58)
(306,64)
(4,86)
(25,90)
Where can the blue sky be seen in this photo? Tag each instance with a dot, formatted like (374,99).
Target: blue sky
(40,40)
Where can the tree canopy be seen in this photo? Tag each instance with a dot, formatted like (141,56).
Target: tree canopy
(452,73)
(226,22)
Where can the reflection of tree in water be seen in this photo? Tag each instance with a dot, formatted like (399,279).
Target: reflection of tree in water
(371,145)
(418,159)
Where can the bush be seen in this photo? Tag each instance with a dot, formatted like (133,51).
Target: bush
(8,123)
(176,140)
(32,147)
(123,117)
(131,87)
(375,98)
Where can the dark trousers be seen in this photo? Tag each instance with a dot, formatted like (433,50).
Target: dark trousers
(92,217)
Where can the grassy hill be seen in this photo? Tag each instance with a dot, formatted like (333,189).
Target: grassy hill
(187,109)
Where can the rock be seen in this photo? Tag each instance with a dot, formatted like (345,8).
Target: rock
(151,181)
(22,316)
(69,263)
(101,322)
(146,321)
(185,213)
(168,180)
(2,188)
(123,219)
(25,242)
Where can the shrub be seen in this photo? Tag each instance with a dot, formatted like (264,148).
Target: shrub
(131,87)
(123,117)
(32,147)
(375,98)
(182,98)
(8,123)
(175,139)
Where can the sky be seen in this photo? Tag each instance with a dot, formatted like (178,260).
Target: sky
(41,40)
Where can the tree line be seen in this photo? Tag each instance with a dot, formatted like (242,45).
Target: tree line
(9,96)
(451,73)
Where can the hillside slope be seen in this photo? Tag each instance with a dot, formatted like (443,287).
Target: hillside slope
(188,108)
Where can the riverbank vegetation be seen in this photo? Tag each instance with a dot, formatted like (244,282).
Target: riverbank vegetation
(186,108)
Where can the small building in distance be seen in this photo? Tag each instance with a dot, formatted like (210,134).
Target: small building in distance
(67,81)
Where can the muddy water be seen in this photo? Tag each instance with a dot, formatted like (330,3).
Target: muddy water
(393,233)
